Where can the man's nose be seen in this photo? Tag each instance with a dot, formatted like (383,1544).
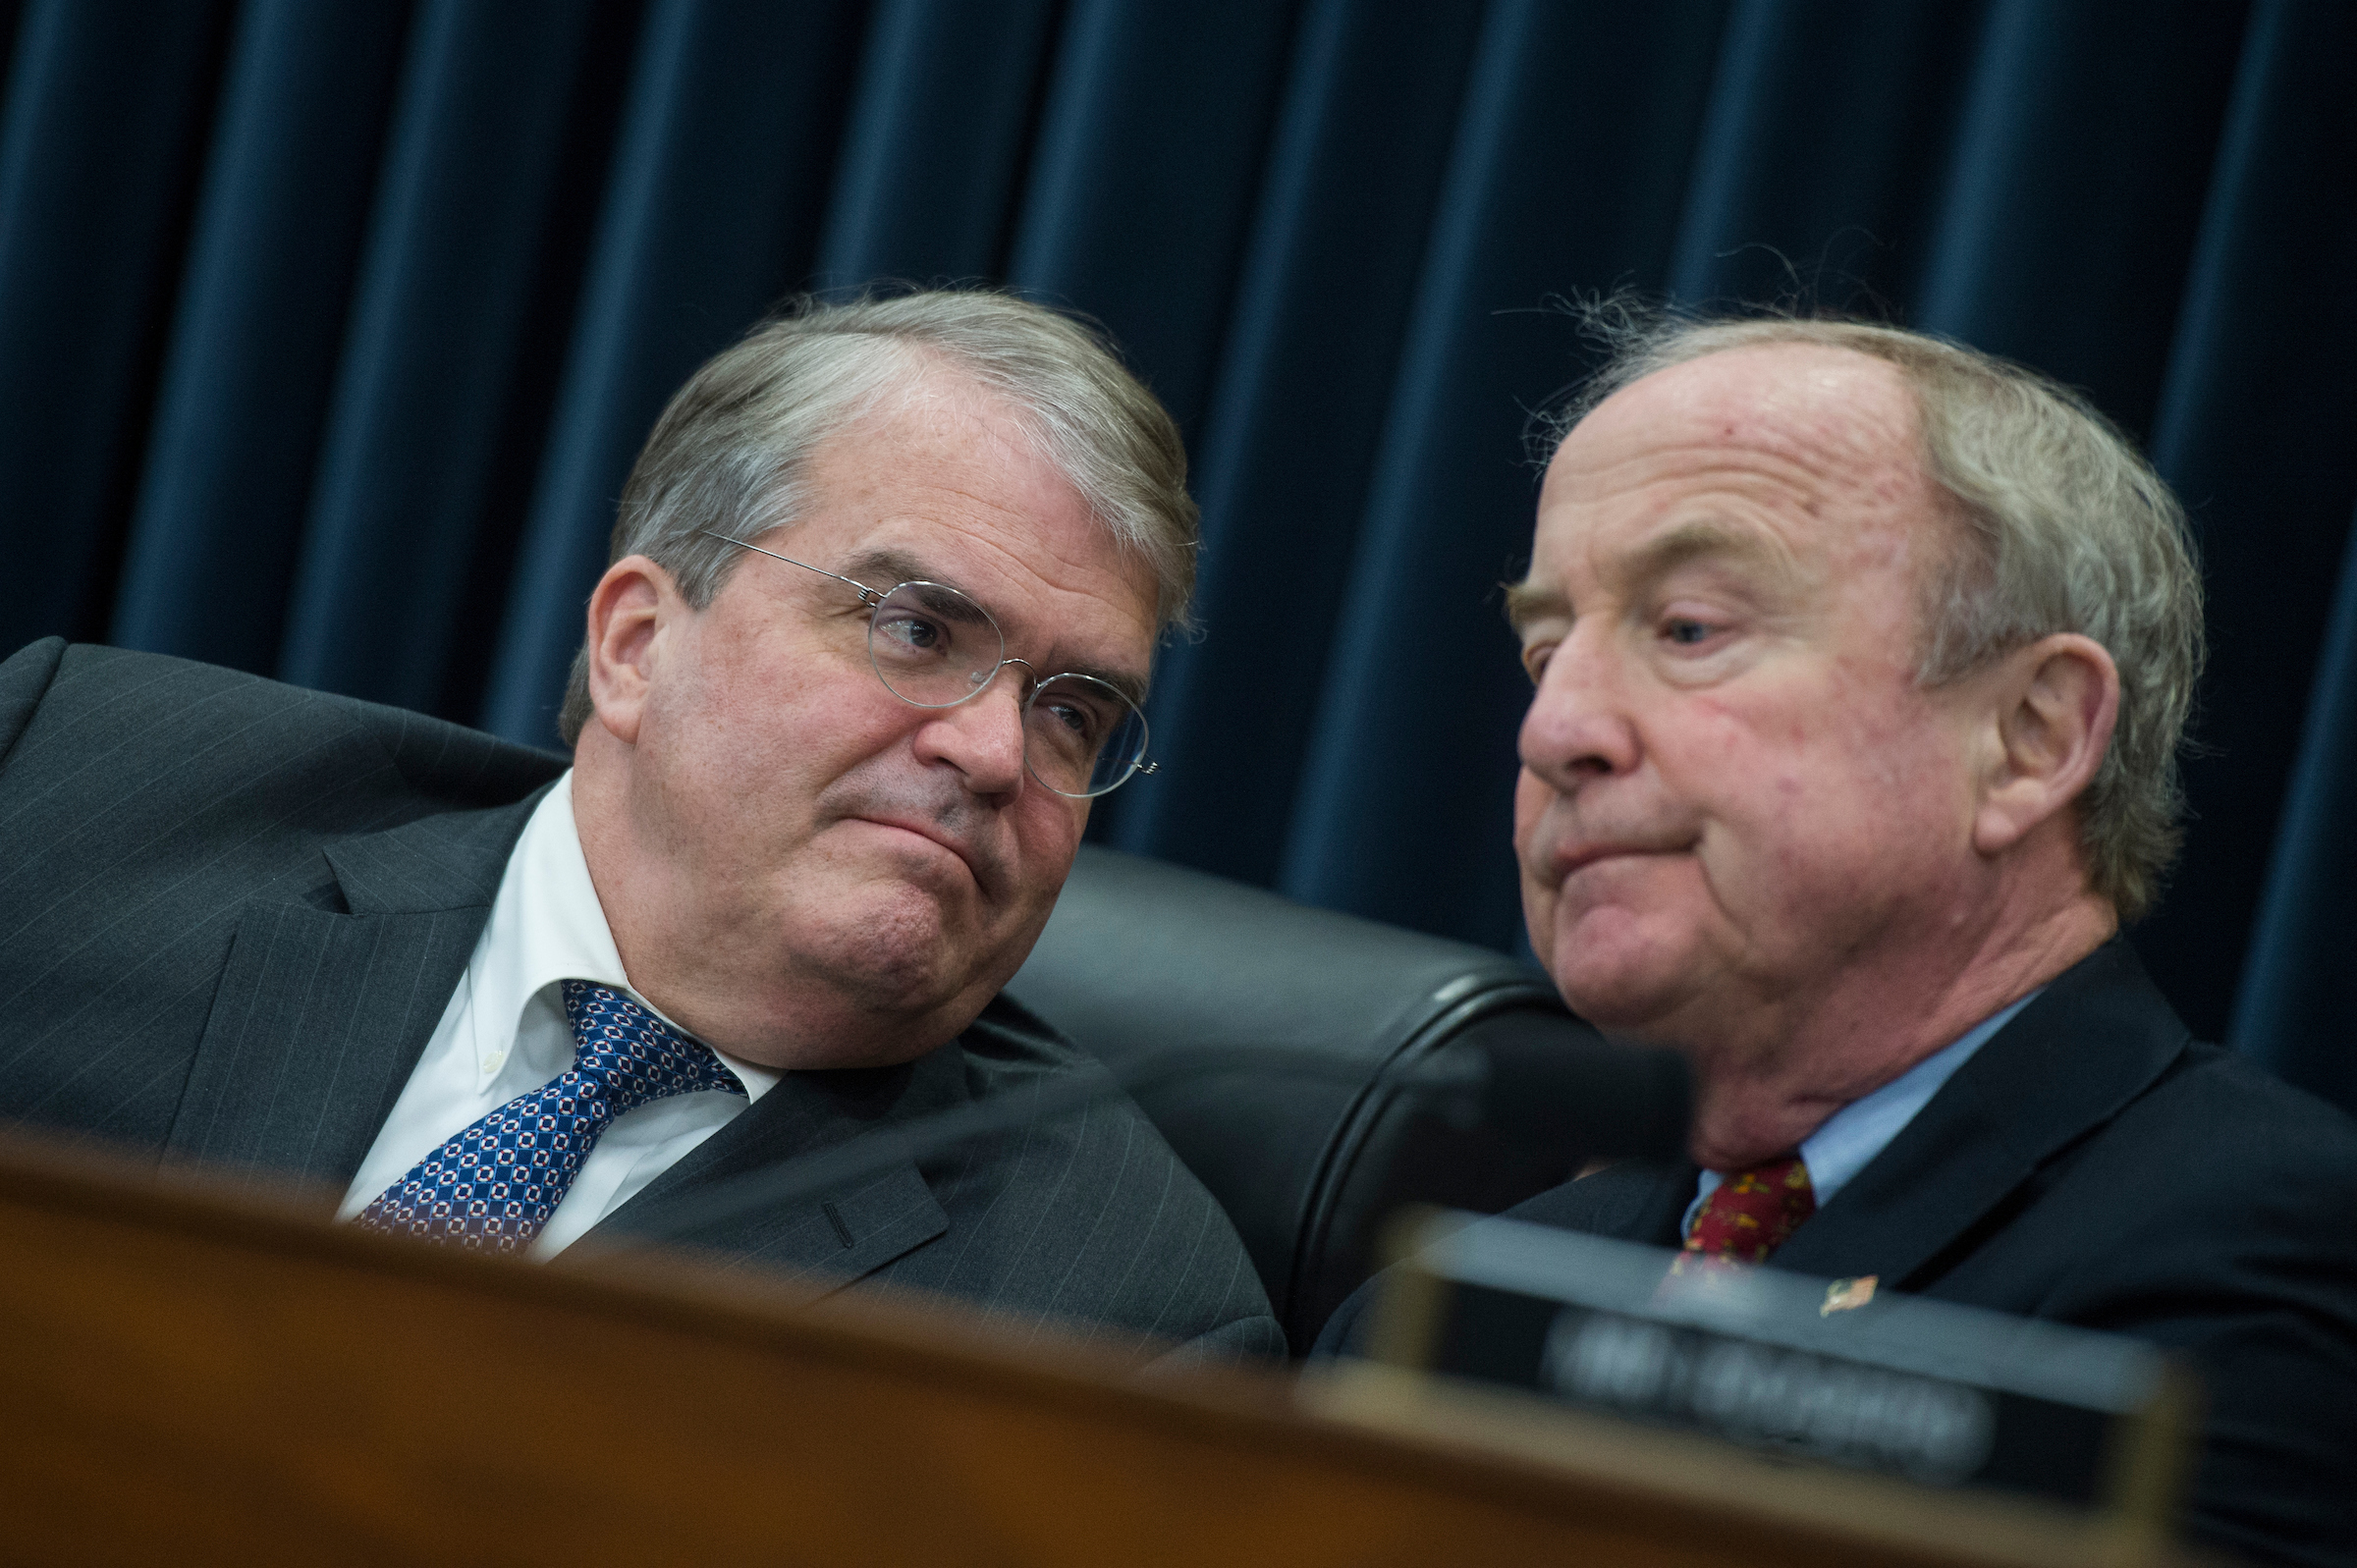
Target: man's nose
(1579,726)
(982,738)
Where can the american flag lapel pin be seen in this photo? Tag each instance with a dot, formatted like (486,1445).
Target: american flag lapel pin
(1849,1295)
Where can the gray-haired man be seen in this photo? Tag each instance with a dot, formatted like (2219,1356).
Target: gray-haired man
(889,579)
(1859,663)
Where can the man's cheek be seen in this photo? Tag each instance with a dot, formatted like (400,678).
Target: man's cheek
(1532,797)
(1539,893)
(1538,917)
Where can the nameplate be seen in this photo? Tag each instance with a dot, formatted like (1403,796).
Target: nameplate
(1835,1371)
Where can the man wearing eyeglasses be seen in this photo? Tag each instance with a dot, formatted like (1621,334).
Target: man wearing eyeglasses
(887,584)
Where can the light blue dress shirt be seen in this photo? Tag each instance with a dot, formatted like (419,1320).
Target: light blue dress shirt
(1864,1128)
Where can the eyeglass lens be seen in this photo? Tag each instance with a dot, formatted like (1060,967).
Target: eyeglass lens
(935,647)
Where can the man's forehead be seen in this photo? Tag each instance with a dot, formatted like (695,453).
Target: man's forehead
(1806,400)
(941,482)
(1801,424)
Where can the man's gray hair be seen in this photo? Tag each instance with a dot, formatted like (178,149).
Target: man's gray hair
(2067,529)
(732,451)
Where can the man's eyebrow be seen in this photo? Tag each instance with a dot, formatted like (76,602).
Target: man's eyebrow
(1527,601)
(1531,600)
(1127,682)
(885,569)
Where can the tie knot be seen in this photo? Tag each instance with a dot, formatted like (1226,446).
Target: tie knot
(1754,1211)
(630,1054)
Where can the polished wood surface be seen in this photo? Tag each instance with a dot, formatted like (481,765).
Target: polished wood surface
(200,1373)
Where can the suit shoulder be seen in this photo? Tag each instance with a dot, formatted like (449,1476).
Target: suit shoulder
(2256,1141)
(1009,1038)
(132,714)
(2207,1218)
(24,679)
(70,693)
(2251,1115)
(2218,1183)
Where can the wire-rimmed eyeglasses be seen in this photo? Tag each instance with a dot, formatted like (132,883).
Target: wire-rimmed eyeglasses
(935,647)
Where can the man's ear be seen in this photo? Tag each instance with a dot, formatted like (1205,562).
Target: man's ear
(626,608)
(2056,701)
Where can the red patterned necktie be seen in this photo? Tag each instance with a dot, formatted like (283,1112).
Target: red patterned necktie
(1752,1212)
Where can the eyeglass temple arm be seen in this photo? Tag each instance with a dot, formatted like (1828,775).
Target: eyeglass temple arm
(867,595)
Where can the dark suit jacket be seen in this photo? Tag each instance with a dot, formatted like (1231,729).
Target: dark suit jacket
(2091,1164)
(231,913)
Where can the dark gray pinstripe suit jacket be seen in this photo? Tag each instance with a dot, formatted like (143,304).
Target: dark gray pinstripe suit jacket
(231,912)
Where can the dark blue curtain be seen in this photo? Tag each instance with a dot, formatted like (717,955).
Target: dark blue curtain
(328,332)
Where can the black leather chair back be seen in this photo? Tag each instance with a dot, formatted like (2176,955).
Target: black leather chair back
(1144,956)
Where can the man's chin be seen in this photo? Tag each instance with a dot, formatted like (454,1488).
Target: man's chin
(1615,980)
(895,949)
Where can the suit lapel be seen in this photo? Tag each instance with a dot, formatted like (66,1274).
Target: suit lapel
(1633,1200)
(832,1237)
(2097,1036)
(320,1016)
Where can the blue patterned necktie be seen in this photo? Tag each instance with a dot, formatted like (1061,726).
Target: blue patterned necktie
(495,1184)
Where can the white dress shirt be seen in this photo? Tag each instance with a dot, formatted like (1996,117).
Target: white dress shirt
(1864,1128)
(505,1034)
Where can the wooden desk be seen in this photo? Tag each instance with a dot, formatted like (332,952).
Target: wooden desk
(196,1372)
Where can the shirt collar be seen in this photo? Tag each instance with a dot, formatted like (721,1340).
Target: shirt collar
(548,920)
(1857,1132)
(1853,1136)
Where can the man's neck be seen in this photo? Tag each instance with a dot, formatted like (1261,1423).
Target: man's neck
(1883,1019)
